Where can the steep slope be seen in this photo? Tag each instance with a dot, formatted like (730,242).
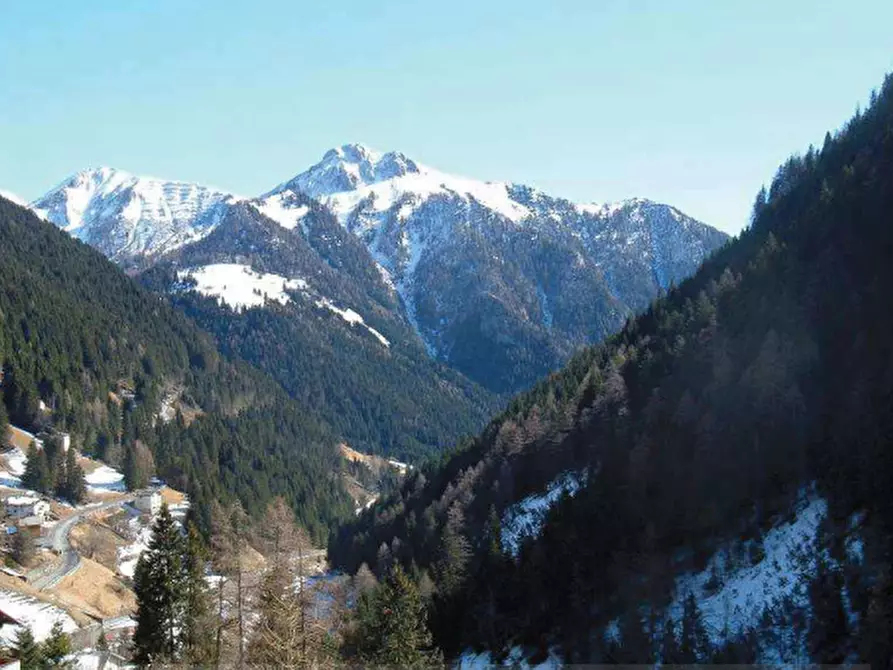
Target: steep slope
(712,483)
(131,218)
(309,306)
(104,356)
(501,281)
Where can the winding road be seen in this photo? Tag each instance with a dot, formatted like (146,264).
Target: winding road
(58,540)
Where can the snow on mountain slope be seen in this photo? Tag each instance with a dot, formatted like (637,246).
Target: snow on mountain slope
(354,175)
(525,518)
(500,281)
(12,197)
(733,598)
(239,286)
(126,216)
(482,265)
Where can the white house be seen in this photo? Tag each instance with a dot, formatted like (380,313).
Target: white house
(148,502)
(19,507)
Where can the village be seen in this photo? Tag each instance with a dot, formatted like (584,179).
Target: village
(72,565)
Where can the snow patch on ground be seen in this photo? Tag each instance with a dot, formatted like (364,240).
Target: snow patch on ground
(744,593)
(285,215)
(353,318)
(239,286)
(30,612)
(470,660)
(15,467)
(402,467)
(105,478)
(525,518)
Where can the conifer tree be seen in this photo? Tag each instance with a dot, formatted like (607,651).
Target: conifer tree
(693,643)
(392,625)
(75,485)
(26,650)
(23,549)
(138,466)
(197,644)
(286,635)
(828,635)
(55,650)
(278,639)
(160,587)
(37,471)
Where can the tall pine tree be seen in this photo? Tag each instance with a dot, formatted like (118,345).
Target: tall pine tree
(198,645)
(161,593)
(392,625)
(37,475)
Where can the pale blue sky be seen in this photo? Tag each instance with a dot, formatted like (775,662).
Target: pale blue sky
(691,102)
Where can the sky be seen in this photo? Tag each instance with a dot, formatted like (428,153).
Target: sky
(690,102)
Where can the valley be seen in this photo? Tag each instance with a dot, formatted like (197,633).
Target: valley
(608,381)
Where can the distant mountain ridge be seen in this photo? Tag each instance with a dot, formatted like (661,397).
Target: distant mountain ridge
(126,217)
(500,281)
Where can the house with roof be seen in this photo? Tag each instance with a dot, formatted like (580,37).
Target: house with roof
(148,502)
(21,507)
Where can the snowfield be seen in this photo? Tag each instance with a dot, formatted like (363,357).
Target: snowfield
(240,287)
(15,468)
(744,593)
(105,478)
(147,215)
(275,208)
(525,518)
(30,612)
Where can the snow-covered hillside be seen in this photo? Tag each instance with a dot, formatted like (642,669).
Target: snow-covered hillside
(238,286)
(126,216)
(525,518)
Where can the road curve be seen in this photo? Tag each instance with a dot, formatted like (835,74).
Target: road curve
(58,541)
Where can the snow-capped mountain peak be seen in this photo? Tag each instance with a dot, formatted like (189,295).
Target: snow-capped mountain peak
(354,175)
(126,216)
(348,168)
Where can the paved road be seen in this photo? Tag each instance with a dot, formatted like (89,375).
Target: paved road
(58,540)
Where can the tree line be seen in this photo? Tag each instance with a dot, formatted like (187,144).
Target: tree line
(217,604)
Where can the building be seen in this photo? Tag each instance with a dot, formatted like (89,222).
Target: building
(20,507)
(31,525)
(148,502)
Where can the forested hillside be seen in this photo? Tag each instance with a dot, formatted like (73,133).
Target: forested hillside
(764,380)
(85,349)
(370,379)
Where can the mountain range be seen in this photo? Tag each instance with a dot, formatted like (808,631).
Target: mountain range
(498,281)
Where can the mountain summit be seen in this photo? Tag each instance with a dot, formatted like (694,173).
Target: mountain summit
(501,281)
(126,216)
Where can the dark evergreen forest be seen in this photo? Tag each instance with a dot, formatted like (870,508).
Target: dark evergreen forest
(769,371)
(102,352)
